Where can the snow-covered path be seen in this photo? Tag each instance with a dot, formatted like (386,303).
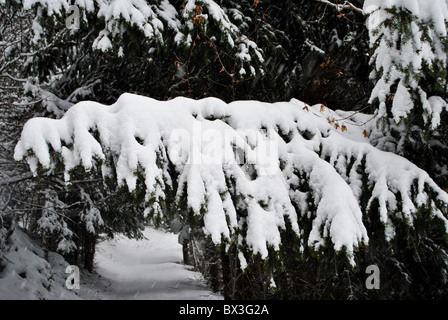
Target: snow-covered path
(148,269)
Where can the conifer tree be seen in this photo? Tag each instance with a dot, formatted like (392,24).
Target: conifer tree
(409,61)
(265,50)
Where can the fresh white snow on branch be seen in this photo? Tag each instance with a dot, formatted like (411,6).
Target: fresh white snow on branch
(409,38)
(245,164)
(153,18)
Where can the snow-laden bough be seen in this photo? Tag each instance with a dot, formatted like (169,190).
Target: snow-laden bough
(245,164)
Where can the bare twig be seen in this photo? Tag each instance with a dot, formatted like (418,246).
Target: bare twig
(318,20)
(345,5)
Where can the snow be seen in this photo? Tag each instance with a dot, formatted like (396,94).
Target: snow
(403,64)
(435,10)
(103,42)
(168,13)
(315,48)
(52,6)
(148,269)
(51,223)
(154,18)
(437,105)
(135,12)
(37,31)
(91,216)
(402,103)
(50,101)
(203,139)
(28,275)
(262,229)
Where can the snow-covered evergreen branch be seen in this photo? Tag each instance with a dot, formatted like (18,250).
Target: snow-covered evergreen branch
(299,170)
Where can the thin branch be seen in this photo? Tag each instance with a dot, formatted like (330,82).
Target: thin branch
(16,180)
(346,5)
(259,22)
(19,104)
(318,20)
(85,181)
(7,75)
(35,206)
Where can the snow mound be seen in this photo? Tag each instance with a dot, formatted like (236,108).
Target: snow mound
(243,165)
(28,275)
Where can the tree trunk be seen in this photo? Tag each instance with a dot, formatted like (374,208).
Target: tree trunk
(89,250)
(226,275)
(185,252)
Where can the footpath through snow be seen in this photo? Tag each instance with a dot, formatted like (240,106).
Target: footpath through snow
(124,269)
(148,269)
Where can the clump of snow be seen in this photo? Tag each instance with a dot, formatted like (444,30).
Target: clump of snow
(259,153)
(49,101)
(434,10)
(103,42)
(50,223)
